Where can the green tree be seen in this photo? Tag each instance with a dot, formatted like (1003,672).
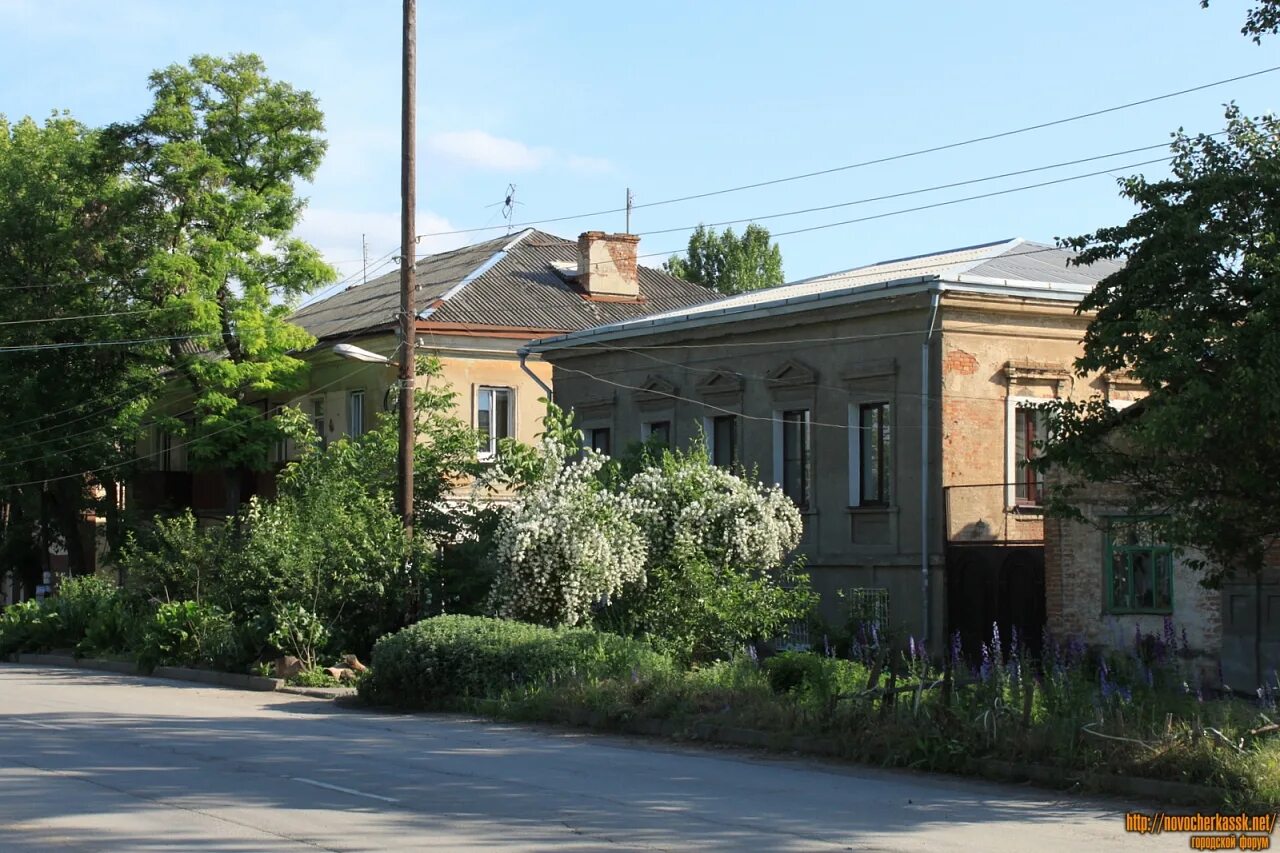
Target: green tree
(729,263)
(219,154)
(67,215)
(1195,315)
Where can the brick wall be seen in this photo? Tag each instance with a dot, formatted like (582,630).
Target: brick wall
(1075,590)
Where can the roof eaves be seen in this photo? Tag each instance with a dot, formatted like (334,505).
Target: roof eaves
(1043,289)
(699,319)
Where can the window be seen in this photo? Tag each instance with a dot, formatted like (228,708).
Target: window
(1030,425)
(355,409)
(724,441)
(164,449)
(493,418)
(1139,572)
(874,447)
(795,456)
(599,440)
(658,432)
(317,419)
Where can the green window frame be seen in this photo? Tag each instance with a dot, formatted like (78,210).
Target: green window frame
(1138,569)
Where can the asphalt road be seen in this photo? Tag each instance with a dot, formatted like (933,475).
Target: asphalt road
(92,761)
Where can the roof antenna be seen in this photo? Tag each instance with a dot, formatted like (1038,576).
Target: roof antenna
(508,205)
(630,201)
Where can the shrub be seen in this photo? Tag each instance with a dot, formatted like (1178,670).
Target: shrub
(300,633)
(189,633)
(87,615)
(447,658)
(27,626)
(567,546)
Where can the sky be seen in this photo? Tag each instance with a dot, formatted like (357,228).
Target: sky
(575,103)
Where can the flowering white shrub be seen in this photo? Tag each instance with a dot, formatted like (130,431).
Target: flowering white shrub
(566,545)
(685,502)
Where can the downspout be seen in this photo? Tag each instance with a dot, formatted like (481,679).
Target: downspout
(523,352)
(924,465)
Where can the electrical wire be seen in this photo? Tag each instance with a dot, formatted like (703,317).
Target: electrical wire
(873,162)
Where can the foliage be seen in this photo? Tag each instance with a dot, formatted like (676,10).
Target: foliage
(729,263)
(1263,19)
(190,633)
(717,575)
(87,616)
(456,657)
(314,676)
(1194,314)
(567,545)
(300,633)
(219,153)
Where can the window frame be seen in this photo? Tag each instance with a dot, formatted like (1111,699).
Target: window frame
(1156,552)
(884,454)
(647,430)
(590,435)
(319,421)
(709,436)
(490,451)
(355,411)
(1013,404)
(781,459)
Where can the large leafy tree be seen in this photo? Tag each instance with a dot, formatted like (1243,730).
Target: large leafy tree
(730,263)
(1195,315)
(219,153)
(172,232)
(67,222)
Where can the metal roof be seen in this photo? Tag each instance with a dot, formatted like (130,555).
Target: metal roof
(508,281)
(1017,267)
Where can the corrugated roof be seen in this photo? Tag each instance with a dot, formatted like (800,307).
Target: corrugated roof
(507,281)
(1027,265)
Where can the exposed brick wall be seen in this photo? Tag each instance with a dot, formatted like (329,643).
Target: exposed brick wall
(1074,590)
(959,361)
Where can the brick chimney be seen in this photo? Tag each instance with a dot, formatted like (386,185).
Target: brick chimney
(607,265)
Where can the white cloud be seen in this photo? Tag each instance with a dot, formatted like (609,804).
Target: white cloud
(486,151)
(477,148)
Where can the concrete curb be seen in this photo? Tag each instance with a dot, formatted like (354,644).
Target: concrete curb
(238,681)
(234,680)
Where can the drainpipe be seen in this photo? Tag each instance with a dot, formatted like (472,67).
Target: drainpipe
(924,465)
(523,352)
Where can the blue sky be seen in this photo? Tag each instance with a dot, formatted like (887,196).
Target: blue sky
(573,103)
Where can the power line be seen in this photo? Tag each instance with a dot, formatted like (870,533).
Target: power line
(79,317)
(876,161)
(308,393)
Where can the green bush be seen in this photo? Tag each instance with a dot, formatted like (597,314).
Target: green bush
(88,615)
(189,633)
(446,658)
(810,674)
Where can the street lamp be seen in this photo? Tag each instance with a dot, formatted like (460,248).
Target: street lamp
(356,353)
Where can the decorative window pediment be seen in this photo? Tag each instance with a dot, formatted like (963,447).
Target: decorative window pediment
(791,373)
(657,389)
(720,383)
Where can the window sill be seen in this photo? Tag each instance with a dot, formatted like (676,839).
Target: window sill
(1161,612)
(1025,512)
(872,509)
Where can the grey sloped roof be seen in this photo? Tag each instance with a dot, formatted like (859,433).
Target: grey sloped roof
(508,281)
(1004,266)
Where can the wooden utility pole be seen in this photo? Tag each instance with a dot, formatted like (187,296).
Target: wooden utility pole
(408,240)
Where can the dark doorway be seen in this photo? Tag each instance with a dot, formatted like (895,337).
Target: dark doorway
(995,584)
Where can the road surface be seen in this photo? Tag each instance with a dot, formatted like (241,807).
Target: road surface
(92,761)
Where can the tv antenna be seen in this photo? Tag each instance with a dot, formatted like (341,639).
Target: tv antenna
(508,205)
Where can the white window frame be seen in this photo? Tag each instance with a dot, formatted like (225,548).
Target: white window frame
(779,460)
(355,409)
(492,451)
(646,428)
(320,420)
(1012,404)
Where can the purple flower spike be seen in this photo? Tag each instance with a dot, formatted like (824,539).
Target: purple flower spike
(911,646)
(996,649)
(1170,635)
(956,650)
